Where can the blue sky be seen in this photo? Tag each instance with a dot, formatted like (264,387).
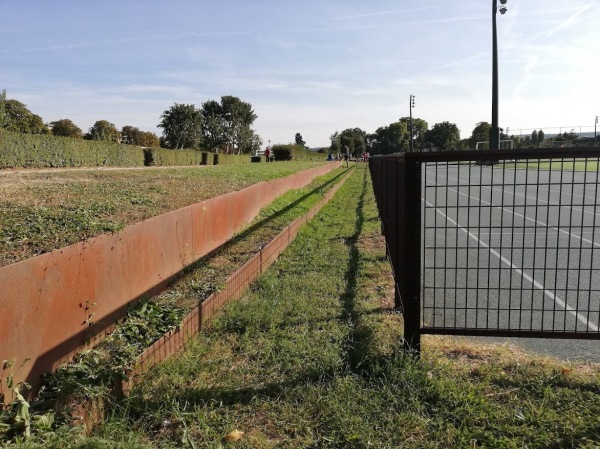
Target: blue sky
(312,67)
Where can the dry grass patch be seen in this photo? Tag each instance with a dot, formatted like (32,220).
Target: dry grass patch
(40,212)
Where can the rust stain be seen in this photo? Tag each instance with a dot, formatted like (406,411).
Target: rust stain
(235,286)
(40,315)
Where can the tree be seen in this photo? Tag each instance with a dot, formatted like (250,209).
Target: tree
(3,117)
(213,125)
(66,128)
(182,126)
(249,141)
(393,138)
(420,127)
(443,136)
(238,117)
(132,135)
(299,140)
(534,138)
(20,119)
(463,144)
(541,138)
(355,139)
(103,130)
(336,146)
(481,133)
(227,125)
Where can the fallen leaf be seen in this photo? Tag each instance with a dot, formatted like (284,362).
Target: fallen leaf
(232,436)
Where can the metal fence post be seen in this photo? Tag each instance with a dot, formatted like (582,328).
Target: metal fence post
(409,249)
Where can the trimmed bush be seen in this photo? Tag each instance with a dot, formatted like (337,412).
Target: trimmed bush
(148,157)
(164,156)
(232,159)
(36,150)
(282,152)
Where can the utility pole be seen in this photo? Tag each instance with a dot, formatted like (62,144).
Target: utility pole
(411,105)
(495,131)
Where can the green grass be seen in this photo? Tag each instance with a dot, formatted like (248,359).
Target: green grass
(312,357)
(40,212)
(567,165)
(94,371)
(210,273)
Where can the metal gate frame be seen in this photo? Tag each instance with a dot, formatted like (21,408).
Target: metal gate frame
(397,183)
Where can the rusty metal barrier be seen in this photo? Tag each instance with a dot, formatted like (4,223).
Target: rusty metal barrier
(234,288)
(55,304)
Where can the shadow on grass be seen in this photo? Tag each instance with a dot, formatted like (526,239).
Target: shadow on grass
(248,231)
(209,285)
(230,396)
(591,434)
(325,186)
(360,337)
(358,342)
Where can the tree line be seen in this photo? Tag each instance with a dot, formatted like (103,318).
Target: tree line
(443,136)
(219,126)
(226,126)
(395,137)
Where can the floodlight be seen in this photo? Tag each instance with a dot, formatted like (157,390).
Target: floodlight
(503,2)
(503,9)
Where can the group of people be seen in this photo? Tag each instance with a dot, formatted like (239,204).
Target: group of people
(346,156)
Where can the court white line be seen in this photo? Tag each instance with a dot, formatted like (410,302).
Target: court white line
(524,275)
(562,231)
(561,193)
(552,203)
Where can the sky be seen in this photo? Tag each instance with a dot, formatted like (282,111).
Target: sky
(312,67)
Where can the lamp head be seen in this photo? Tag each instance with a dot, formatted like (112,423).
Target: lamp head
(503,9)
(503,2)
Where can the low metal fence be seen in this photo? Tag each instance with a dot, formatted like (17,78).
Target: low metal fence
(493,243)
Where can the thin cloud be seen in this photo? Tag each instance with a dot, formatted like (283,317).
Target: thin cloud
(468,60)
(572,20)
(381,13)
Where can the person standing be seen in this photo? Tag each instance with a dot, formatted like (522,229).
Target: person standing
(346,154)
(268,154)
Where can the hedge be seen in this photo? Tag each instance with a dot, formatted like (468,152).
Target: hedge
(163,156)
(37,150)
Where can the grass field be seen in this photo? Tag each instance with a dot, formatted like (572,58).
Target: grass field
(43,211)
(312,357)
(567,165)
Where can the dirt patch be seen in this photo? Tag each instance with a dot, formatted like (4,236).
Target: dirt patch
(372,243)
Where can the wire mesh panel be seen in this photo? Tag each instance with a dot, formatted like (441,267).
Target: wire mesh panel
(510,247)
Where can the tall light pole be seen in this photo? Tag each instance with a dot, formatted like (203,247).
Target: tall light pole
(495,131)
(411,105)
